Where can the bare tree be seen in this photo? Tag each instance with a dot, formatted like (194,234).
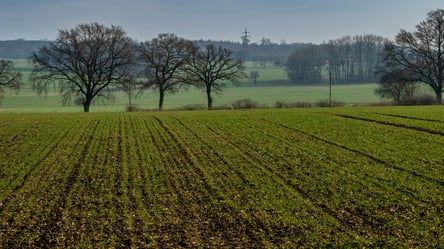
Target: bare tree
(351,59)
(8,77)
(86,62)
(131,86)
(304,65)
(421,53)
(165,58)
(212,67)
(254,75)
(392,85)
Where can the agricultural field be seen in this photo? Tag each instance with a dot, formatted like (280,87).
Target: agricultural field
(296,178)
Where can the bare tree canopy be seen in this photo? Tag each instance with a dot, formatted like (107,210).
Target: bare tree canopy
(8,77)
(254,75)
(392,85)
(85,62)
(165,57)
(420,54)
(212,67)
(304,65)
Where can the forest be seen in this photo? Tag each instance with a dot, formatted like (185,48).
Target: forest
(348,59)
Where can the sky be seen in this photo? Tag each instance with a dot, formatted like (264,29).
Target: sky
(308,21)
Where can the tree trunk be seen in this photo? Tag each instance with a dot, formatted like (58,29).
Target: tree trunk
(438,96)
(161,98)
(397,98)
(130,96)
(86,105)
(210,100)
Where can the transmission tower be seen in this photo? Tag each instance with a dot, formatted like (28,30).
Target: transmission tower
(245,37)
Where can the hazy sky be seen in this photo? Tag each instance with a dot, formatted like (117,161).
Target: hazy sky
(293,20)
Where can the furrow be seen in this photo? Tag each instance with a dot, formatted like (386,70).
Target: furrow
(432,132)
(186,189)
(173,225)
(351,214)
(286,181)
(50,229)
(211,147)
(16,189)
(412,118)
(360,153)
(134,170)
(6,123)
(368,178)
(209,220)
(120,226)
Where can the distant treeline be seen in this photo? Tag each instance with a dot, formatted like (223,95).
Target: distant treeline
(349,59)
(264,53)
(19,49)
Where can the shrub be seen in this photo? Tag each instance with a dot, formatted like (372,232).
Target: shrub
(382,103)
(192,107)
(325,103)
(419,100)
(282,104)
(244,104)
(223,107)
(131,108)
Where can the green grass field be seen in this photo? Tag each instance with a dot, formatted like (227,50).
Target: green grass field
(266,74)
(28,101)
(361,177)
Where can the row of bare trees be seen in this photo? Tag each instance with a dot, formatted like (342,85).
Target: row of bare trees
(349,59)
(92,60)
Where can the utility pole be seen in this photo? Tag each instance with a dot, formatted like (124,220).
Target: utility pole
(327,64)
(329,94)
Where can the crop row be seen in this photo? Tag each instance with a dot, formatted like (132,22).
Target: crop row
(431,126)
(354,188)
(281,178)
(413,151)
(264,203)
(427,113)
(34,205)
